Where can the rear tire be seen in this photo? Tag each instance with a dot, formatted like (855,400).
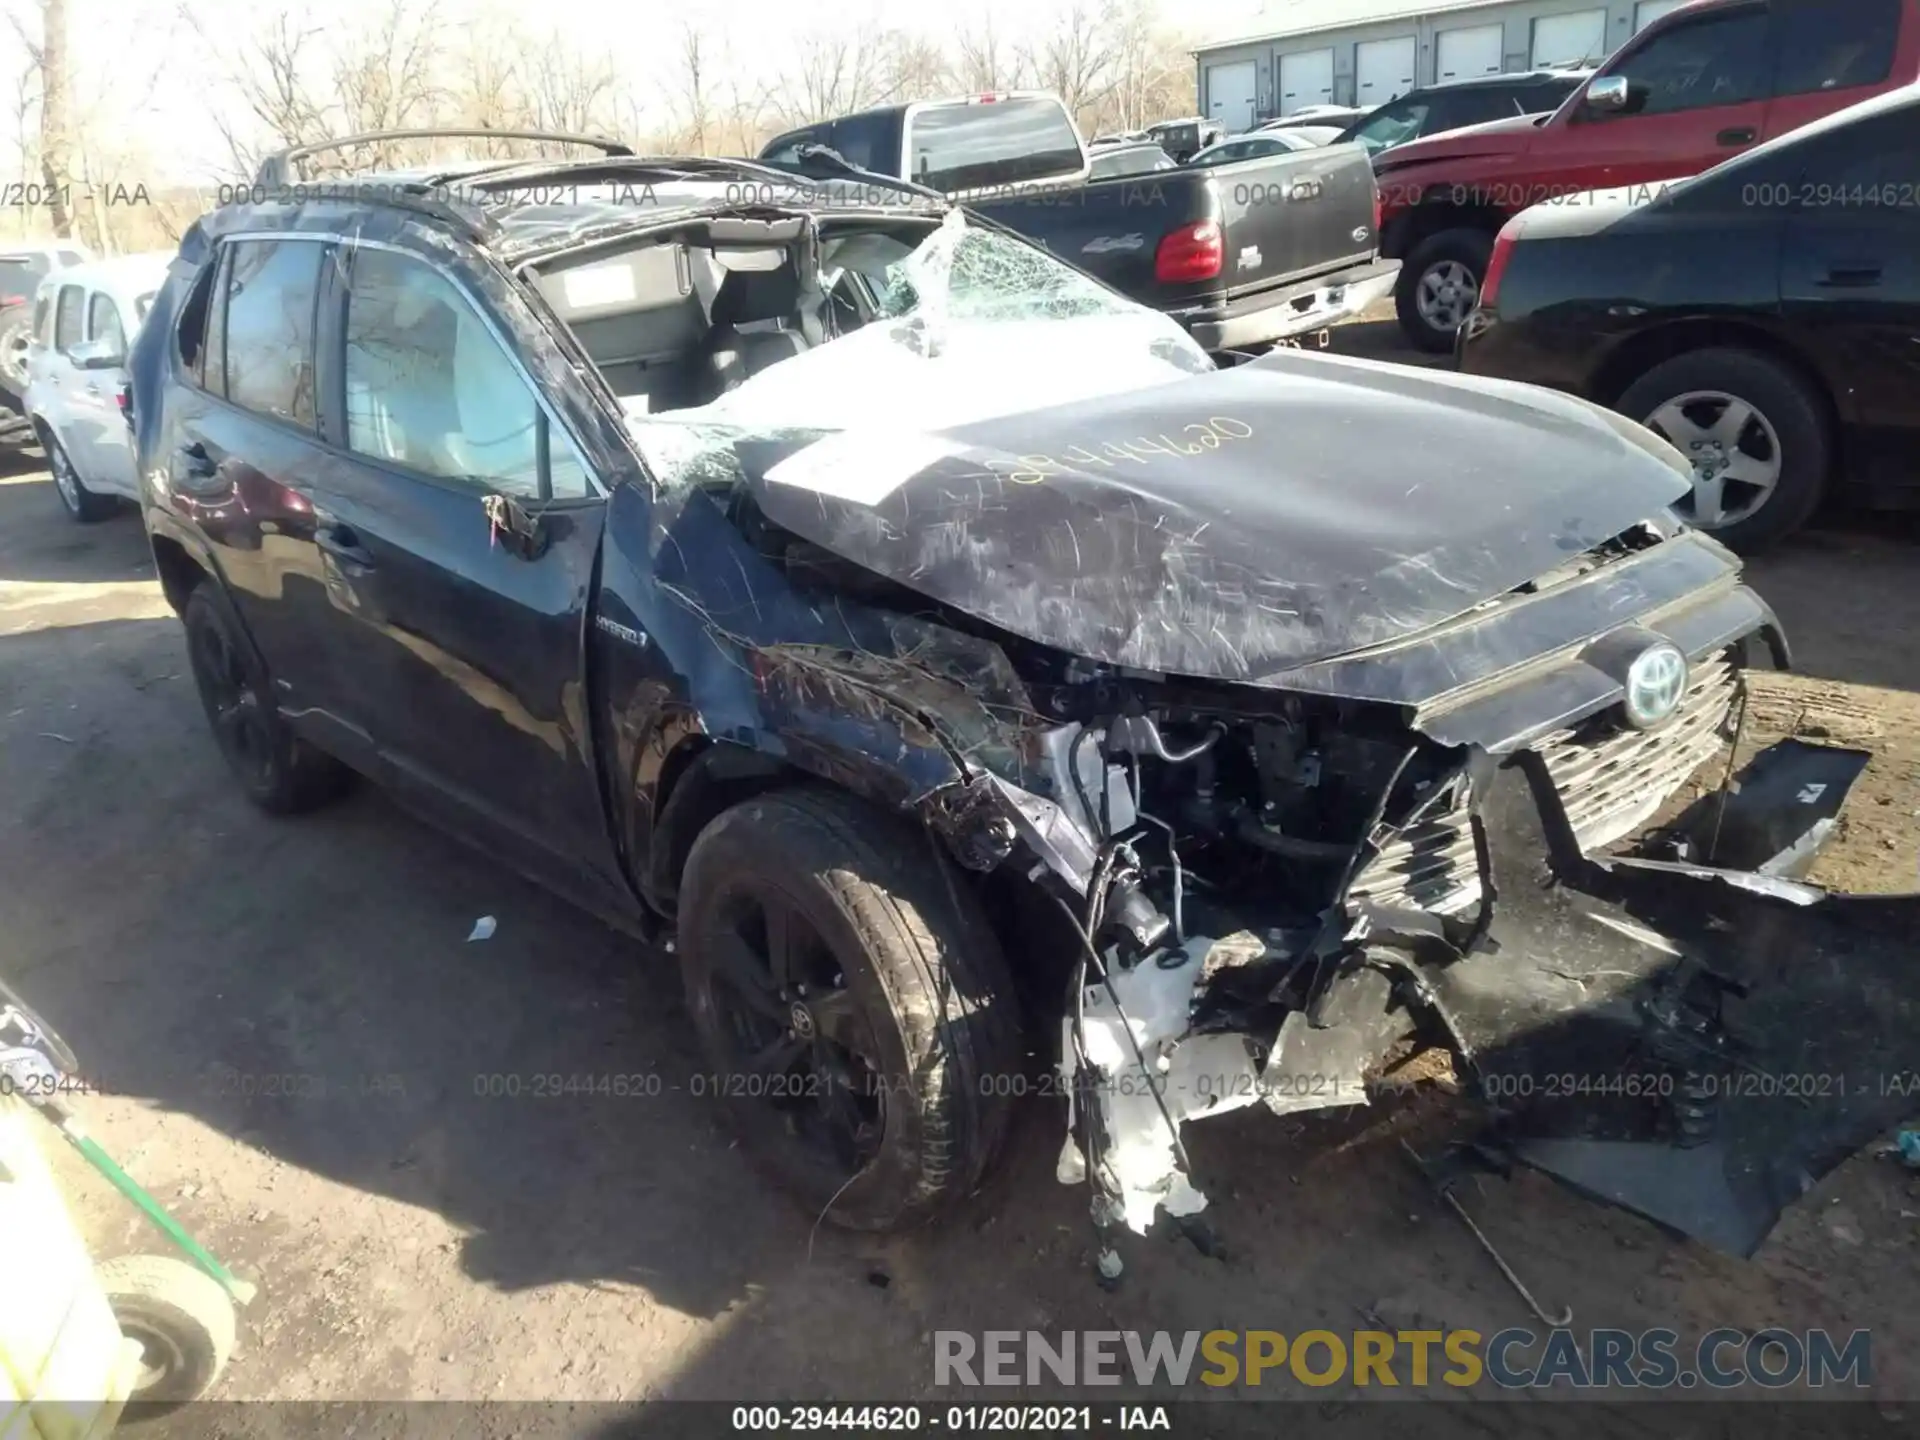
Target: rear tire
(82,504)
(891,994)
(183,1320)
(1442,276)
(1789,434)
(16,333)
(279,772)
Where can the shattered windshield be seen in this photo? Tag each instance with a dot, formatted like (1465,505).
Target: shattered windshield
(965,324)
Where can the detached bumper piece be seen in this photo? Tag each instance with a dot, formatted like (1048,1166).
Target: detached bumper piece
(1690,1033)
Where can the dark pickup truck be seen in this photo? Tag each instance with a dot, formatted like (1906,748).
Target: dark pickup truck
(1242,255)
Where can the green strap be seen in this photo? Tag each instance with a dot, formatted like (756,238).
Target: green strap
(239,1289)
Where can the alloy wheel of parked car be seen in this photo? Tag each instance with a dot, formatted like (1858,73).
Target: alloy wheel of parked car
(1439,286)
(82,504)
(16,337)
(1734,451)
(280,773)
(1447,295)
(852,1003)
(1753,431)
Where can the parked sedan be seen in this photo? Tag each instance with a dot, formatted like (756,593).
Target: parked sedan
(1763,317)
(1334,115)
(77,395)
(1112,162)
(1263,142)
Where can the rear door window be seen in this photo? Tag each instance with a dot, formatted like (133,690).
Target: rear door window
(980,144)
(272,287)
(431,388)
(69,317)
(103,322)
(1828,46)
(870,141)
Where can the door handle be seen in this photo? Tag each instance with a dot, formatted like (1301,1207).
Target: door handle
(340,542)
(1739,135)
(197,463)
(1839,277)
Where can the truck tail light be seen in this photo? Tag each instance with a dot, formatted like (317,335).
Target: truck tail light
(1497,263)
(123,397)
(1193,252)
(1377,216)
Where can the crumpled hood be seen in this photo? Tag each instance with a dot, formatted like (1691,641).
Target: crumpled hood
(1236,524)
(1509,136)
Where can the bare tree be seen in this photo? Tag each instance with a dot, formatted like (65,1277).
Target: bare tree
(270,73)
(1152,73)
(1076,58)
(47,63)
(390,79)
(985,59)
(835,72)
(690,88)
(568,91)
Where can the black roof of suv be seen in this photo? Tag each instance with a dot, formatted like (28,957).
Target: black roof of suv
(1455,104)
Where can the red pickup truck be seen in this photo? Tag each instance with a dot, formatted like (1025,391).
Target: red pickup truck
(1694,88)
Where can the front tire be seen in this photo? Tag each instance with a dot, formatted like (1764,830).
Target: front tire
(1439,286)
(1755,433)
(183,1320)
(82,504)
(852,1003)
(280,772)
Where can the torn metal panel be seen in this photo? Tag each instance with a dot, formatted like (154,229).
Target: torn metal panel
(1681,1041)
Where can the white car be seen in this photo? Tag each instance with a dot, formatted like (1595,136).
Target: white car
(84,320)
(22,268)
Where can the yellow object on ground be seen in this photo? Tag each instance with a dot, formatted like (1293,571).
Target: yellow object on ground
(65,1369)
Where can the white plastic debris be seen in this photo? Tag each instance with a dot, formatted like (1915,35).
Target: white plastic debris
(1194,1076)
(483,929)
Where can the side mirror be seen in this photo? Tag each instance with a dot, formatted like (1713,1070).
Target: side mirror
(97,355)
(1610,94)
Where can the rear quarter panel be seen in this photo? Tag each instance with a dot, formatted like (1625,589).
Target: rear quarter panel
(1577,304)
(1111,228)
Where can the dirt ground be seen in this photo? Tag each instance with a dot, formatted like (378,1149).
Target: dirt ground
(414,1238)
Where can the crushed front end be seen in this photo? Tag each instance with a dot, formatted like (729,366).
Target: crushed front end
(1476,839)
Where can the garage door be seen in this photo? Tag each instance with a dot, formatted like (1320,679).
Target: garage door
(1648,11)
(1305,79)
(1570,39)
(1382,71)
(1469,51)
(1230,95)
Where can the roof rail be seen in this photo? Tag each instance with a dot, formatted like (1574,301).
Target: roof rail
(278,170)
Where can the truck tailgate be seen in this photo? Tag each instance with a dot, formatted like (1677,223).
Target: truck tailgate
(1292,215)
(1112,228)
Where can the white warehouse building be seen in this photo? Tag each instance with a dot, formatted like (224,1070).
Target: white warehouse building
(1364,53)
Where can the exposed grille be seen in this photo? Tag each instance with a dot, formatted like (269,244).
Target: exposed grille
(1612,785)
(1609,784)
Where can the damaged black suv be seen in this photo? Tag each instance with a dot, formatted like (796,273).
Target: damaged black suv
(940,653)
